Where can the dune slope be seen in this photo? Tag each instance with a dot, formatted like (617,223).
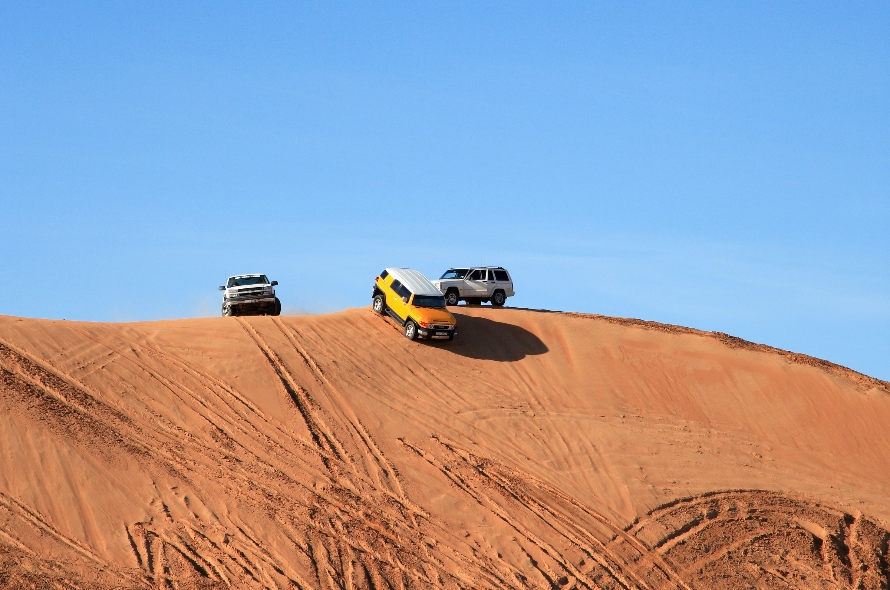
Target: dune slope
(538,450)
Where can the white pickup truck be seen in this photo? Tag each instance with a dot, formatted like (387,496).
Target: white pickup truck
(250,295)
(476,285)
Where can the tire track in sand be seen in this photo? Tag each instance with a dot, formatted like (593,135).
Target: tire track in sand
(333,453)
(378,457)
(322,436)
(642,568)
(464,484)
(792,541)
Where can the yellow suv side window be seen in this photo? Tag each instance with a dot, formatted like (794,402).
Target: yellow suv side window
(401,290)
(395,301)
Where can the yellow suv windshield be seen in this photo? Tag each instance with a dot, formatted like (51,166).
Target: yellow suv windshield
(428,301)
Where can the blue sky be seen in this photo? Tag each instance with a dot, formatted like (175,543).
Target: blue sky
(720,166)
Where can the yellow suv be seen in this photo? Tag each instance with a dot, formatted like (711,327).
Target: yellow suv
(413,301)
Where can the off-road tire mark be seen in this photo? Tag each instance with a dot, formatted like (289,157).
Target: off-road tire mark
(843,558)
(65,388)
(177,389)
(321,435)
(573,531)
(157,546)
(69,406)
(42,524)
(486,501)
(362,526)
(389,471)
(327,443)
(608,549)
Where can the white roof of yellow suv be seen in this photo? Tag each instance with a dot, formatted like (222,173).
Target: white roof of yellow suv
(415,281)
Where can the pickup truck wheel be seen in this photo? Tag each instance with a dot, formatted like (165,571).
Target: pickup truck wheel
(277,309)
(451,297)
(228,310)
(498,298)
(379,304)
(410,330)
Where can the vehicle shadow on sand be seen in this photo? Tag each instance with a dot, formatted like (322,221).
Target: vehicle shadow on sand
(485,339)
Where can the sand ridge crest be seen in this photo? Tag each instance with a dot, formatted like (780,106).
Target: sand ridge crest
(865,382)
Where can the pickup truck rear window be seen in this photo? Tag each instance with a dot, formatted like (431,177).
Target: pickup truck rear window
(428,301)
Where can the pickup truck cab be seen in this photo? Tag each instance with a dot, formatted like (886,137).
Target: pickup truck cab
(415,303)
(476,285)
(250,295)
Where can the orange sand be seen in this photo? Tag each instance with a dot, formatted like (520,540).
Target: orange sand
(537,450)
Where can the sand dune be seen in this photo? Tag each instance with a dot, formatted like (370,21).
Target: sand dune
(538,450)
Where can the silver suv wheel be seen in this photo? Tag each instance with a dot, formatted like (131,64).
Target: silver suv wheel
(451,298)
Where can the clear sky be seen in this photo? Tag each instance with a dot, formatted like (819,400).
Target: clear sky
(724,166)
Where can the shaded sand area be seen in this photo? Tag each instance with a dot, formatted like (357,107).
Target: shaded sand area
(538,450)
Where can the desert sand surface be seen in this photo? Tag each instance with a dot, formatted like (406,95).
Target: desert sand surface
(537,450)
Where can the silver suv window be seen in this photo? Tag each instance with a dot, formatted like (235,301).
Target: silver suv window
(455,273)
(501,276)
(477,275)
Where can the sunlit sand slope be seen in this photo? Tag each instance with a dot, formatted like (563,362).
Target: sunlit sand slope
(538,450)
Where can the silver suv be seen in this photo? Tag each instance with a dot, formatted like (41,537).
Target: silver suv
(476,285)
(250,295)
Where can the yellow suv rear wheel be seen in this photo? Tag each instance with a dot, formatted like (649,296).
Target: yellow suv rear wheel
(379,303)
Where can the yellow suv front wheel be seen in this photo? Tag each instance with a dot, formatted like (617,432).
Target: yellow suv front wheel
(410,330)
